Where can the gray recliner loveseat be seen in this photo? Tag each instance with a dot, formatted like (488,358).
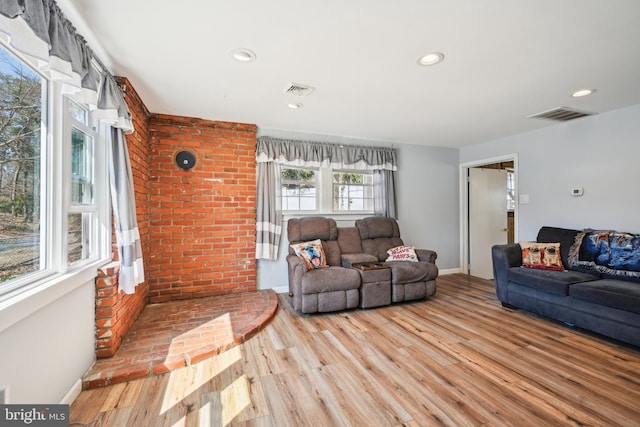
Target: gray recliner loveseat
(409,280)
(342,284)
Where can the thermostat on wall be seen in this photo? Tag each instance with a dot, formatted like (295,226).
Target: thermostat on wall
(577,191)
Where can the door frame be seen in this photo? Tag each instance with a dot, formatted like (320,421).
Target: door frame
(464,202)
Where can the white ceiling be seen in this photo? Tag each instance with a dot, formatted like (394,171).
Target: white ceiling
(504,60)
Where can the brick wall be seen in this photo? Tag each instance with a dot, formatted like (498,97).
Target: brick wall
(197,227)
(201,221)
(116,312)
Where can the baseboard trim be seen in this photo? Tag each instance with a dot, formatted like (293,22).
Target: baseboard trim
(281,289)
(73,393)
(449,271)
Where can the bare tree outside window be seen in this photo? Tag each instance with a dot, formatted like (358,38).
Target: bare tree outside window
(20,133)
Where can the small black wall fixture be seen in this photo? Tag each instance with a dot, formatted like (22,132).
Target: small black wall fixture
(185,160)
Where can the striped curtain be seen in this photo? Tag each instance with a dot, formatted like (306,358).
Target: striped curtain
(124,213)
(269,210)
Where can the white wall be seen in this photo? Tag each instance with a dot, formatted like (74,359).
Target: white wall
(45,353)
(427,197)
(599,153)
(427,192)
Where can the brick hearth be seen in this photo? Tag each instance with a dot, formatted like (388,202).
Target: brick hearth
(174,334)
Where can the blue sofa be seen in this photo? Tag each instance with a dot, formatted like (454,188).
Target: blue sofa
(584,295)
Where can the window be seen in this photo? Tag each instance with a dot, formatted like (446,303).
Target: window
(326,191)
(511,190)
(54,205)
(81,214)
(298,189)
(22,129)
(352,191)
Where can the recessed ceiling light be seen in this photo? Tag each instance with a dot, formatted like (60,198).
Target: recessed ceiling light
(582,92)
(243,55)
(431,58)
(295,106)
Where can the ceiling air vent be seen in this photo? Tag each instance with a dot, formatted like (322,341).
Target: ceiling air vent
(561,114)
(298,89)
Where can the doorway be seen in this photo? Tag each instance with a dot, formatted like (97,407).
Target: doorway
(488,211)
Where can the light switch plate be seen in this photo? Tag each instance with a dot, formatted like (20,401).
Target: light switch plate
(524,199)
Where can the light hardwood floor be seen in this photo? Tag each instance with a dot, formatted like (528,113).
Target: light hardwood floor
(457,359)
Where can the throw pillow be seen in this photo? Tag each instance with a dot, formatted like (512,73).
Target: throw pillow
(312,253)
(545,256)
(402,253)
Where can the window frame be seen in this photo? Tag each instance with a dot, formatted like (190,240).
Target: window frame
(26,293)
(324,193)
(511,190)
(317,181)
(354,211)
(96,249)
(44,271)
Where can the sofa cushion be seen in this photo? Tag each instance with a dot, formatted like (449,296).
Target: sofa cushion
(378,234)
(545,256)
(330,279)
(632,276)
(556,282)
(618,294)
(310,228)
(377,226)
(332,252)
(378,247)
(349,240)
(407,272)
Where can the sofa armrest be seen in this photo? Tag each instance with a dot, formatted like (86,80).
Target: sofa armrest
(427,255)
(504,257)
(297,267)
(349,259)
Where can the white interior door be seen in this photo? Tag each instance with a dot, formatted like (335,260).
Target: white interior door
(487,218)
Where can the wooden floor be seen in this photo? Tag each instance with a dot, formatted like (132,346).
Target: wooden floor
(456,359)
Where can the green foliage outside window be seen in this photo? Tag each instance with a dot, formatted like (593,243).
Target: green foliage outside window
(298,178)
(348,178)
(352,191)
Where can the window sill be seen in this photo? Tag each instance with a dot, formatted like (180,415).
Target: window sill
(27,300)
(351,216)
